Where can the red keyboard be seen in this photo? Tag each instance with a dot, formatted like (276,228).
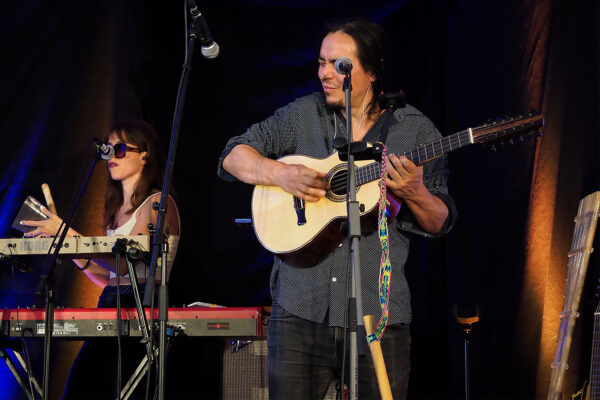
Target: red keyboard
(84,323)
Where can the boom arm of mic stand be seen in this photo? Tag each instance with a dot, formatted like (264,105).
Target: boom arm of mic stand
(47,280)
(175,128)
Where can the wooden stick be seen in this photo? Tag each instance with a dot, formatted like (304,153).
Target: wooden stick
(378,362)
(48,197)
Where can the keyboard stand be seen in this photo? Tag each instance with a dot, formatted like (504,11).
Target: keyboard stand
(137,376)
(33,383)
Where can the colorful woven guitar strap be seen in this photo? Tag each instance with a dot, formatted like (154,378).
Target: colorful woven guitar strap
(385,269)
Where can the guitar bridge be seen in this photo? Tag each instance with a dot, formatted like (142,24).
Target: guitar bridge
(300,210)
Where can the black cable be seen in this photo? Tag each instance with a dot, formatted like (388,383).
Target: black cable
(185,21)
(156,371)
(27,361)
(150,363)
(340,393)
(119,360)
(23,343)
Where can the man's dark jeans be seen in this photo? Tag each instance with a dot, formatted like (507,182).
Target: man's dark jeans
(305,357)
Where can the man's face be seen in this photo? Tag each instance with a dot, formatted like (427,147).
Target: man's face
(334,46)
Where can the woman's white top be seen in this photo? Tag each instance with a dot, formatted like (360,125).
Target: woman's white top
(142,269)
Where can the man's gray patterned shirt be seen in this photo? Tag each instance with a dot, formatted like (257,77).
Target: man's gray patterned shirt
(307,127)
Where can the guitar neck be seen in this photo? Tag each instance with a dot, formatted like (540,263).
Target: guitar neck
(439,147)
(481,134)
(420,155)
(581,248)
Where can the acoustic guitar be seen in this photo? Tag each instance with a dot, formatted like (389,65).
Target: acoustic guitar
(579,257)
(304,233)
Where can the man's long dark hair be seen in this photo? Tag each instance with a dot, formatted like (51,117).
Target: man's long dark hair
(371,44)
(143,136)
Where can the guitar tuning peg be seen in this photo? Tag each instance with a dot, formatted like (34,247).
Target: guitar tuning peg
(510,141)
(493,148)
(521,138)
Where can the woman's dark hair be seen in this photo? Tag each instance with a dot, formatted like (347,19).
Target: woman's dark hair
(143,136)
(371,44)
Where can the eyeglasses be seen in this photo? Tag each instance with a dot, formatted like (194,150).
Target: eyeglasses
(121,150)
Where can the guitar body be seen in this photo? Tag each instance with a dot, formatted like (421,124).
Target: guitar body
(277,224)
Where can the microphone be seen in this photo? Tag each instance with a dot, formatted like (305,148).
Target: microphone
(210,48)
(106,150)
(8,260)
(343,65)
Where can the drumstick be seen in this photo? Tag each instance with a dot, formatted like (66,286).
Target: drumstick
(48,197)
(378,363)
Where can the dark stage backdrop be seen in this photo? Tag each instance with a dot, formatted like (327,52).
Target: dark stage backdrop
(71,69)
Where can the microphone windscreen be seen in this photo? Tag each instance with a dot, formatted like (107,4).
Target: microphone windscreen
(109,153)
(343,65)
(211,51)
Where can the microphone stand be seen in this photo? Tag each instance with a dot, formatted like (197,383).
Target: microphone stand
(159,244)
(47,278)
(354,232)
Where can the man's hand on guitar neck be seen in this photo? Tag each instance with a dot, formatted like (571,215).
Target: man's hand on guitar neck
(405,180)
(249,166)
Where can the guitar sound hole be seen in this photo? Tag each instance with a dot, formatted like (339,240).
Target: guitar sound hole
(339,183)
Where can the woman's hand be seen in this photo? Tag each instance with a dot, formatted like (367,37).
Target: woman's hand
(47,227)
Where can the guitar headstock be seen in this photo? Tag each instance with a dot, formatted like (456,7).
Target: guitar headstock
(523,126)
